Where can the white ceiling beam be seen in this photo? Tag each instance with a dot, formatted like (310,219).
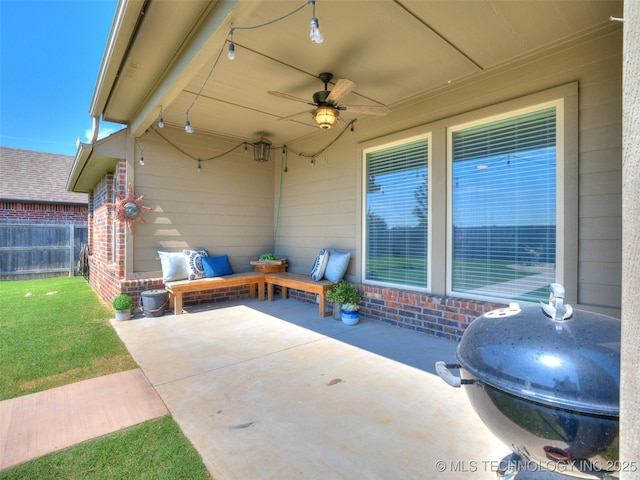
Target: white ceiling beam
(197,53)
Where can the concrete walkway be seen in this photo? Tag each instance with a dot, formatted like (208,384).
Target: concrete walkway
(45,422)
(270,390)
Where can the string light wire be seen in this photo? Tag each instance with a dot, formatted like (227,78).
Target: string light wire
(244,145)
(231,48)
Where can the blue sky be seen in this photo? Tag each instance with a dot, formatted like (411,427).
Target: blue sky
(50,53)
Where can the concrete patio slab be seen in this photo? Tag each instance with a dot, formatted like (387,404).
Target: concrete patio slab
(48,421)
(270,390)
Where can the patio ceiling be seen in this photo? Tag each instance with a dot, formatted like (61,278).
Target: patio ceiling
(395,50)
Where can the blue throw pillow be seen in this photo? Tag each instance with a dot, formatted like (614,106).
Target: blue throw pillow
(216,266)
(337,265)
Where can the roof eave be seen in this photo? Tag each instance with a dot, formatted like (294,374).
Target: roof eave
(94,160)
(126,19)
(81,159)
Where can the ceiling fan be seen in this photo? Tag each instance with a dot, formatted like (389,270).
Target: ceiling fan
(326,109)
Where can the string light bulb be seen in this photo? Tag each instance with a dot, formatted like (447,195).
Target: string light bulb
(141,160)
(199,167)
(160,120)
(314,32)
(187,125)
(231,52)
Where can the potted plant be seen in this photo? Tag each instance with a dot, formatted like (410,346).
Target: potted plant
(269,263)
(123,304)
(348,297)
(335,295)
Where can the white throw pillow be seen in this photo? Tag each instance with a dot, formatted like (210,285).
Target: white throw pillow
(195,269)
(174,266)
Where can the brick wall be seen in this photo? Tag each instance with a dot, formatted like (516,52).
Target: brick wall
(445,317)
(43,212)
(104,274)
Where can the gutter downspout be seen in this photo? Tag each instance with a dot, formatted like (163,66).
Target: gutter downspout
(95,128)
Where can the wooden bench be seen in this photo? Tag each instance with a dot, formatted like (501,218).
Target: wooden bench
(296,281)
(178,288)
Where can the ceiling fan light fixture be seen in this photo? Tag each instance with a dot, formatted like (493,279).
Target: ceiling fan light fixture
(325,117)
(262,150)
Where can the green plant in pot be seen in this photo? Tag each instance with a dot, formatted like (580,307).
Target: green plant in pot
(123,304)
(267,256)
(335,294)
(349,298)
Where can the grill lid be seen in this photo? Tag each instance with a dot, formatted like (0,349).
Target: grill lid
(569,359)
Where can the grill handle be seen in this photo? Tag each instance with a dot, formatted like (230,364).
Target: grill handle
(444,372)
(556,300)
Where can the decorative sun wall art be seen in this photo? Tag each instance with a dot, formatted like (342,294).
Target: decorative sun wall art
(129,209)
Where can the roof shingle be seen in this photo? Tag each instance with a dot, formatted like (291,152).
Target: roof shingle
(26,175)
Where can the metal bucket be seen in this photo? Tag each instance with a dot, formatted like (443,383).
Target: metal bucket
(154,302)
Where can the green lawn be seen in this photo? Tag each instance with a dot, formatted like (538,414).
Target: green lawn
(57,331)
(153,450)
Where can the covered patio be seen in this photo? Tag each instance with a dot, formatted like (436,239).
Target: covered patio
(441,68)
(271,390)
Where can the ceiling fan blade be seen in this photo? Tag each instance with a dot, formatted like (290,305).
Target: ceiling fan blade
(366,109)
(290,97)
(343,87)
(295,115)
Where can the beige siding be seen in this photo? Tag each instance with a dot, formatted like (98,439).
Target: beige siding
(226,208)
(321,205)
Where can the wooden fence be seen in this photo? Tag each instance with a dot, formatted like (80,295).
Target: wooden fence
(29,251)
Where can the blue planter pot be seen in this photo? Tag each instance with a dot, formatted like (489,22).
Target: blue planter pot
(350,317)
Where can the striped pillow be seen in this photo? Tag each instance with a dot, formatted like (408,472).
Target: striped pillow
(319,265)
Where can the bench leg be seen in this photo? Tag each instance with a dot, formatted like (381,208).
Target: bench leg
(284,292)
(270,291)
(260,291)
(177,304)
(252,290)
(170,306)
(322,305)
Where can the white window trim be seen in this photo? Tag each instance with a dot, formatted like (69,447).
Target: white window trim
(382,143)
(114,224)
(558,104)
(439,206)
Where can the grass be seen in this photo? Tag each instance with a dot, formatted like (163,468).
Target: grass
(152,450)
(55,332)
(55,338)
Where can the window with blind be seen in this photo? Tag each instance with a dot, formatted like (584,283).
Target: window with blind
(503,207)
(397,213)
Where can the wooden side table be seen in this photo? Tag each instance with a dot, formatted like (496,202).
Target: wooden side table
(270,266)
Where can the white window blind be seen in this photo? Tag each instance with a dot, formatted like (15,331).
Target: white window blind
(397,214)
(504,207)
